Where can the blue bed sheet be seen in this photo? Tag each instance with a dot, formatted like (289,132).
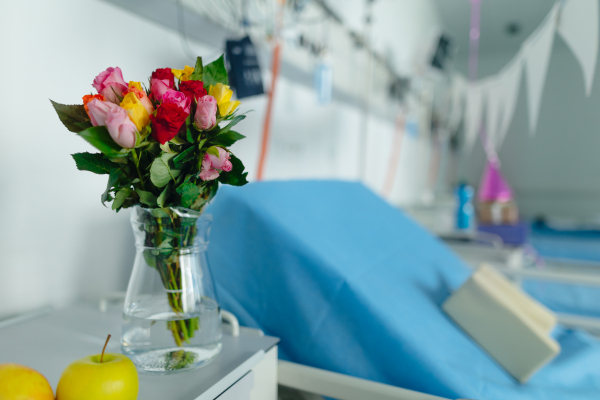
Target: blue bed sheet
(352,285)
(582,246)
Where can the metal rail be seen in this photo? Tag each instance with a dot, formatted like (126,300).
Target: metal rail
(342,387)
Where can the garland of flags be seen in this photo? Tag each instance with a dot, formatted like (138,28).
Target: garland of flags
(576,21)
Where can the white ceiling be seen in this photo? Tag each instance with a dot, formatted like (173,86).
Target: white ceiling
(455,16)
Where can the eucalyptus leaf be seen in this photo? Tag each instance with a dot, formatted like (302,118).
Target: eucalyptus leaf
(214,73)
(93,162)
(99,137)
(71,115)
(160,172)
(198,70)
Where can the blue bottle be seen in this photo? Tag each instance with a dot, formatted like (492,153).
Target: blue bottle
(465,213)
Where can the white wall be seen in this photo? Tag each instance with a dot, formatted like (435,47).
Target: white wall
(57,242)
(554,172)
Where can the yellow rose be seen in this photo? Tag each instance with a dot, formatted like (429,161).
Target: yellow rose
(136,111)
(223,94)
(136,85)
(183,74)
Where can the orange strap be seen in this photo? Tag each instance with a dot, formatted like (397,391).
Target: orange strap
(267,124)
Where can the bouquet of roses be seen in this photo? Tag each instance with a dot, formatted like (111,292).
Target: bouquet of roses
(164,148)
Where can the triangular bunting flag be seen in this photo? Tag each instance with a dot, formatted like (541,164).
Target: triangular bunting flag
(494,96)
(473,113)
(578,26)
(536,52)
(510,83)
(459,93)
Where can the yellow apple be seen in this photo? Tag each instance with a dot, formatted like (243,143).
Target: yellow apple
(107,376)
(20,382)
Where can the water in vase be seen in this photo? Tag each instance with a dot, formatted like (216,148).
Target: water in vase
(168,342)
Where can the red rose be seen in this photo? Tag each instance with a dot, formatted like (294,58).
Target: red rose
(167,122)
(164,74)
(192,89)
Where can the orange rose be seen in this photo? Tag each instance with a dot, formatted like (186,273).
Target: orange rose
(88,97)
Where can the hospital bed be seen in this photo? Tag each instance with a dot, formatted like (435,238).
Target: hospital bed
(354,287)
(569,286)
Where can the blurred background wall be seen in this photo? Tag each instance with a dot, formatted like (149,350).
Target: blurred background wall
(554,172)
(57,242)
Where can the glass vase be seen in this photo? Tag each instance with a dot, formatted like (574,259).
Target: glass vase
(171,319)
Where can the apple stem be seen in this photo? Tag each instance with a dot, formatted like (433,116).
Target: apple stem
(102,355)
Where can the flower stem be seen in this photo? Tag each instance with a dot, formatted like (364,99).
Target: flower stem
(136,161)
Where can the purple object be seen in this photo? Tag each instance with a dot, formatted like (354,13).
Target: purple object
(493,186)
(515,235)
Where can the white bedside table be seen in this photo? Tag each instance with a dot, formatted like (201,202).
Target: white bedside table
(246,369)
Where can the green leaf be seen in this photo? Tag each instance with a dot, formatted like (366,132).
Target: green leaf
(198,203)
(183,157)
(119,160)
(160,172)
(93,162)
(147,198)
(189,192)
(213,150)
(189,134)
(214,73)
(120,198)
(99,137)
(234,122)
(84,125)
(164,196)
(235,177)
(177,141)
(113,178)
(71,115)
(198,70)
(226,139)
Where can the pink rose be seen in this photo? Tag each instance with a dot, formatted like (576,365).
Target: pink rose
(98,111)
(212,165)
(110,84)
(121,128)
(177,98)
(158,88)
(206,112)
